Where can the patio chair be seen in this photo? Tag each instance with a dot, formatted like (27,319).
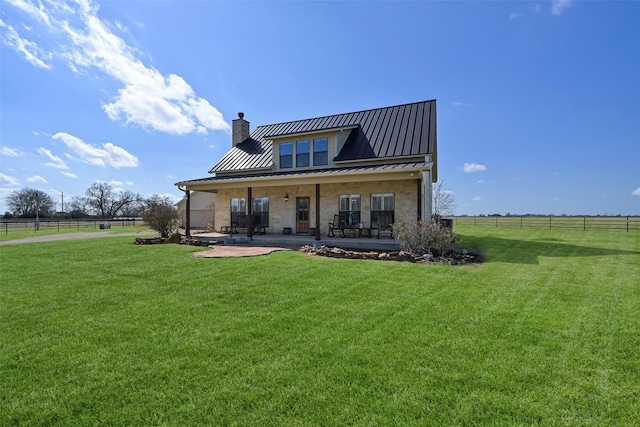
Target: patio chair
(384,225)
(335,225)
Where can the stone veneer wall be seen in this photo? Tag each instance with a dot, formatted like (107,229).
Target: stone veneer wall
(283,214)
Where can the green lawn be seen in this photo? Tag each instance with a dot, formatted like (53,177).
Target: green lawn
(103,332)
(16,233)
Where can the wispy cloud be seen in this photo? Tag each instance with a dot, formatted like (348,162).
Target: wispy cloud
(56,162)
(477,199)
(515,15)
(120,183)
(69,175)
(37,178)
(8,180)
(11,152)
(636,192)
(473,167)
(85,43)
(110,155)
(30,50)
(559,6)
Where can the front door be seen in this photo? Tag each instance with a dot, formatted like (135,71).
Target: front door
(302,216)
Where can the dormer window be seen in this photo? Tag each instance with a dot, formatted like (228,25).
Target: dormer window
(320,151)
(286,155)
(302,153)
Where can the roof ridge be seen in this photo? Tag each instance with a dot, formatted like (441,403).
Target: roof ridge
(344,114)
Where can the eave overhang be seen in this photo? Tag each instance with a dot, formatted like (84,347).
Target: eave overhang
(389,172)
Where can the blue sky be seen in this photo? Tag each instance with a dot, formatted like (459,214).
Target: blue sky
(538,102)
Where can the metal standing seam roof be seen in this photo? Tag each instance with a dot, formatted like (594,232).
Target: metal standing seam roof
(398,131)
(393,167)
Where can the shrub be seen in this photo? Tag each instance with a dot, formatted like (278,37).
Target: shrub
(419,238)
(161,215)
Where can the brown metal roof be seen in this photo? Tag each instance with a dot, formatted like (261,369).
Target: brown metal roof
(399,131)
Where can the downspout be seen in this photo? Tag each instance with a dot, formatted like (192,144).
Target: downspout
(187,220)
(317,211)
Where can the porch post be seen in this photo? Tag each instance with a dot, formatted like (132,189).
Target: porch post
(317,211)
(250,213)
(419,194)
(427,201)
(187,223)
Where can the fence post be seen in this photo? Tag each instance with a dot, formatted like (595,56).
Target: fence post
(549,222)
(584,223)
(627,224)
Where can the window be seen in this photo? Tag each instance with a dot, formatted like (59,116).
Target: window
(286,155)
(302,153)
(382,204)
(350,209)
(238,209)
(320,151)
(261,211)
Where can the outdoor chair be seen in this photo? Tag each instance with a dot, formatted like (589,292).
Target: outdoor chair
(384,225)
(335,225)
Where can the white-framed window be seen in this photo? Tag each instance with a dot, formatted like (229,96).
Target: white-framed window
(382,204)
(320,151)
(302,153)
(349,209)
(286,155)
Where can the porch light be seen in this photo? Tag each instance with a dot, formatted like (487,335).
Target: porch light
(286,196)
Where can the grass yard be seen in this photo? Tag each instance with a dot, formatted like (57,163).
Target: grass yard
(23,232)
(102,332)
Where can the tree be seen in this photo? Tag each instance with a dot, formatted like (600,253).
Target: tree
(442,201)
(107,202)
(25,202)
(160,215)
(79,207)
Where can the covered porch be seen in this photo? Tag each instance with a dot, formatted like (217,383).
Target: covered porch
(304,204)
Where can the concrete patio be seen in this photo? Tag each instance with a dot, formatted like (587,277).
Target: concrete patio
(297,240)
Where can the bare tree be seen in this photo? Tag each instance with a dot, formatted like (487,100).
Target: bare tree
(108,202)
(161,215)
(79,207)
(29,202)
(442,202)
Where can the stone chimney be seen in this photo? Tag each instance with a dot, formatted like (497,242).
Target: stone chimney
(240,130)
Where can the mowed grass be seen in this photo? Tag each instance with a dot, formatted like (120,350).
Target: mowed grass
(546,332)
(23,232)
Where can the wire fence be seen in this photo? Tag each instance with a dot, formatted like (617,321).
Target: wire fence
(20,224)
(619,223)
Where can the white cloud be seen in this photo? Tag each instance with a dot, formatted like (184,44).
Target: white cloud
(37,178)
(56,162)
(116,182)
(28,49)
(480,181)
(8,180)
(11,152)
(146,98)
(170,196)
(636,192)
(473,167)
(558,6)
(69,174)
(515,15)
(110,155)
(477,199)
